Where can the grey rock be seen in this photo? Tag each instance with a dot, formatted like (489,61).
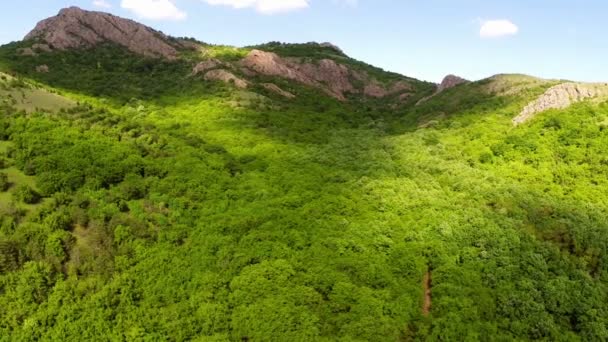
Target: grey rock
(206,66)
(77,28)
(42,68)
(327,75)
(227,77)
(560,97)
(450,81)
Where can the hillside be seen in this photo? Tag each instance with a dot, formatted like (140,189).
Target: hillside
(286,192)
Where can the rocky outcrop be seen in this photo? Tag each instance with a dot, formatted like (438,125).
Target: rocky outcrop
(34,50)
(374,89)
(559,97)
(270,64)
(42,68)
(400,86)
(26,52)
(450,81)
(377,90)
(227,77)
(334,76)
(206,66)
(76,28)
(326,74)
(275,89)
(41,47)
(189,44)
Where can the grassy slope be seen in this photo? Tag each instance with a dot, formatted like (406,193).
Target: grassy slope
(310,220)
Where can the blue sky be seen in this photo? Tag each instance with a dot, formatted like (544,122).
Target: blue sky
(423,39)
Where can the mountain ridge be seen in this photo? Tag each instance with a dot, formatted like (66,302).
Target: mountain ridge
(330,70)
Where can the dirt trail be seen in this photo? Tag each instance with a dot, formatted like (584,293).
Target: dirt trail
(427,284)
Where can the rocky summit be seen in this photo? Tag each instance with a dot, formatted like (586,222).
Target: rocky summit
(77,28)
(450,81)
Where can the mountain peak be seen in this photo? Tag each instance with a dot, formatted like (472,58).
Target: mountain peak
(70,10)
(74,27)
(450,81)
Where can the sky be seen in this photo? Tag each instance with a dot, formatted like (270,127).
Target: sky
(425,39)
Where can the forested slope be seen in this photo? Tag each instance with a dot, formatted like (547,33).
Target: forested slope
(155,205)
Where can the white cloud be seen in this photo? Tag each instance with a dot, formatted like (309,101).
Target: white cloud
(101,4)
(264,6)
(154,9)
(497,28)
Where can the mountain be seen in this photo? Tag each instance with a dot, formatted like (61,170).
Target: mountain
(76,28)
(162,188)
(329,70)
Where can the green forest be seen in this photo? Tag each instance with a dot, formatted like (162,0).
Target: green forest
(142,203)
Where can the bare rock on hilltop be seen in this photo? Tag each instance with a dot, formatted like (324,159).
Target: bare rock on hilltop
(560,97)
(327,75)
(333,78)
(450,81)
(227,77)
(270,64)
(77,28)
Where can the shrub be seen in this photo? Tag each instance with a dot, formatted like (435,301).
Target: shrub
(4,183)
(26,194)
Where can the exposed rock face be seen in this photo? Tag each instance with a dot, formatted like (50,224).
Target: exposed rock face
(334,76)
(41,47)
(42,68)
(450,81)
(76,28)
(268,63)
(374,89)
(227,77)
(26,52)
(33,51)
(331,77)
(206,65)
(377,90)
(559,97)
(188,44)
(274,88)
(399,87)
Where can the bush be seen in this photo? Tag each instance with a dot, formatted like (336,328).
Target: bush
(26,194)
(4,183)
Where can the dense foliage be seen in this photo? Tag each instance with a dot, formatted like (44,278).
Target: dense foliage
(176,210)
